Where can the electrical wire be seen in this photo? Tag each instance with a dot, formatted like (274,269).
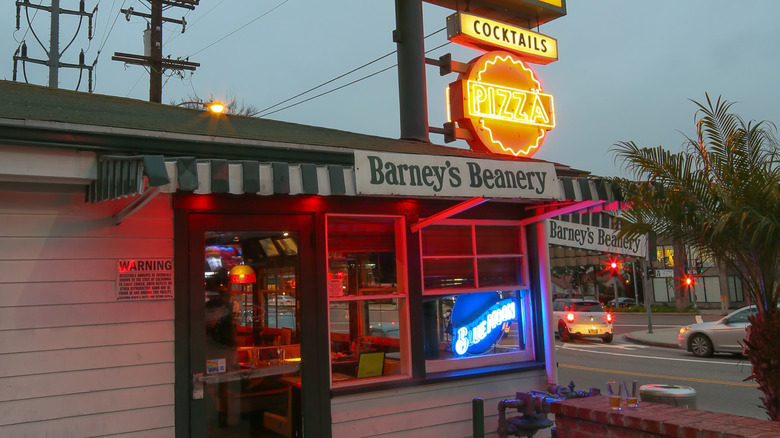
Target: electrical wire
(75,34)
(29,23)
(29,26)
(190,25)
(329,91)
(328,82)
(341,76)
(107,34)
(136,82)
(247,24)
(263,113)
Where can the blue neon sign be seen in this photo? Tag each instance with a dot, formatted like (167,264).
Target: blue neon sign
(484,330)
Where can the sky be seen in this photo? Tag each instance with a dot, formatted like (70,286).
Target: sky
(627,70)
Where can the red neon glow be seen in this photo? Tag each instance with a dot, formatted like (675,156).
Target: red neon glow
(126,266)
(501,103)
(609,317)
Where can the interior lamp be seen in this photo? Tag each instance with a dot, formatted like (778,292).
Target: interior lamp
(242,274)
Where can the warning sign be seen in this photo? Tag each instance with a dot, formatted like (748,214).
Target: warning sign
(144,279)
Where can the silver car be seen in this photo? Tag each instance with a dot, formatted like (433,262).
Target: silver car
(726,335)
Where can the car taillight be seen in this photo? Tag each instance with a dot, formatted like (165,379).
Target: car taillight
(609,317)
(570,317)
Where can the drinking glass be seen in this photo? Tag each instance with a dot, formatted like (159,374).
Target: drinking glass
(615,394)
(632,394)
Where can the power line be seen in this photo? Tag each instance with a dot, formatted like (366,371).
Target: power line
(247,24)
(341,76)
(190,25)
(107,34)
(328,82)
(329,91)
(262,113)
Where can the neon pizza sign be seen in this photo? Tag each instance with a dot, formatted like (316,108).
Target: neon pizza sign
(502,105)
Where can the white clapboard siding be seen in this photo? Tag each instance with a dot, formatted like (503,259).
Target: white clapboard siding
(137,423)
(74,361)
(429,410)
(65,338)
(104,379)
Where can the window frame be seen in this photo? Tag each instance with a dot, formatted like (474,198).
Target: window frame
(401,295)
(521,288)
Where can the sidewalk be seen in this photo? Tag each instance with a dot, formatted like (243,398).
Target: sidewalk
(666,336)
(661,337)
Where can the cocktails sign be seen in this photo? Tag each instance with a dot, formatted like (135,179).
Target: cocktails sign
(485,34)
(502,105)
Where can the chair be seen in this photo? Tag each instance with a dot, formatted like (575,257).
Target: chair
(283,425)
(286,336)
(371,364)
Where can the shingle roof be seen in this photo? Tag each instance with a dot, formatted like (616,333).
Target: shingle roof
(110,124)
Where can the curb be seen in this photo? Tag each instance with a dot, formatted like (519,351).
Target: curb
(631,339)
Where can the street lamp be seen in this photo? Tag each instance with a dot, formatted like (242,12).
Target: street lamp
(214,107)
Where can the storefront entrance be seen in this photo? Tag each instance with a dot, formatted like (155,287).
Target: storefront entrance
(245,329)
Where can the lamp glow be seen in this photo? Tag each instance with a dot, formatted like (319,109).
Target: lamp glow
(242,274)
(214,107)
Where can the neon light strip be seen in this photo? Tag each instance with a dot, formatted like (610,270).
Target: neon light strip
(512,101)
(494,318)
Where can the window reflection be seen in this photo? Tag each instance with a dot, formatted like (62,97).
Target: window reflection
(367,297)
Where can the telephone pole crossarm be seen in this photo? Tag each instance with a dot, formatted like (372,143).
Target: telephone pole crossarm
(174,64)
(131,11)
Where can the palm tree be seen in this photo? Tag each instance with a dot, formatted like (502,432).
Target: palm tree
(721,196)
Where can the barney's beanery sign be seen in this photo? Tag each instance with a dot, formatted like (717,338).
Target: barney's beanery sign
(594,238)
(426,175)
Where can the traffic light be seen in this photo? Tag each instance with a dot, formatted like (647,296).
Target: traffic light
(614,266)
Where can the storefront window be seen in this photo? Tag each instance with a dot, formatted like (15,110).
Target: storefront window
(735,289)
(665,255)
(367,296)
(476,310)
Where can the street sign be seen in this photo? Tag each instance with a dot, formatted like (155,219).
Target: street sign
(663,273)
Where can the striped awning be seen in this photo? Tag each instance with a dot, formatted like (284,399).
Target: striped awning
(120,176)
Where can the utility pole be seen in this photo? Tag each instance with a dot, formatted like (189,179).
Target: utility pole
(409,39)
(53,60)
(54,44)
(154,59)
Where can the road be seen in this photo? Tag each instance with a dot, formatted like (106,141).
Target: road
(718,381)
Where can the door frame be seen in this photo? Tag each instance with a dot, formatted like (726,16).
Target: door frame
(189,242)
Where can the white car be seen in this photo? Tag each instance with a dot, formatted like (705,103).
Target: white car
(281,300)
(726,335)
(582,318)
